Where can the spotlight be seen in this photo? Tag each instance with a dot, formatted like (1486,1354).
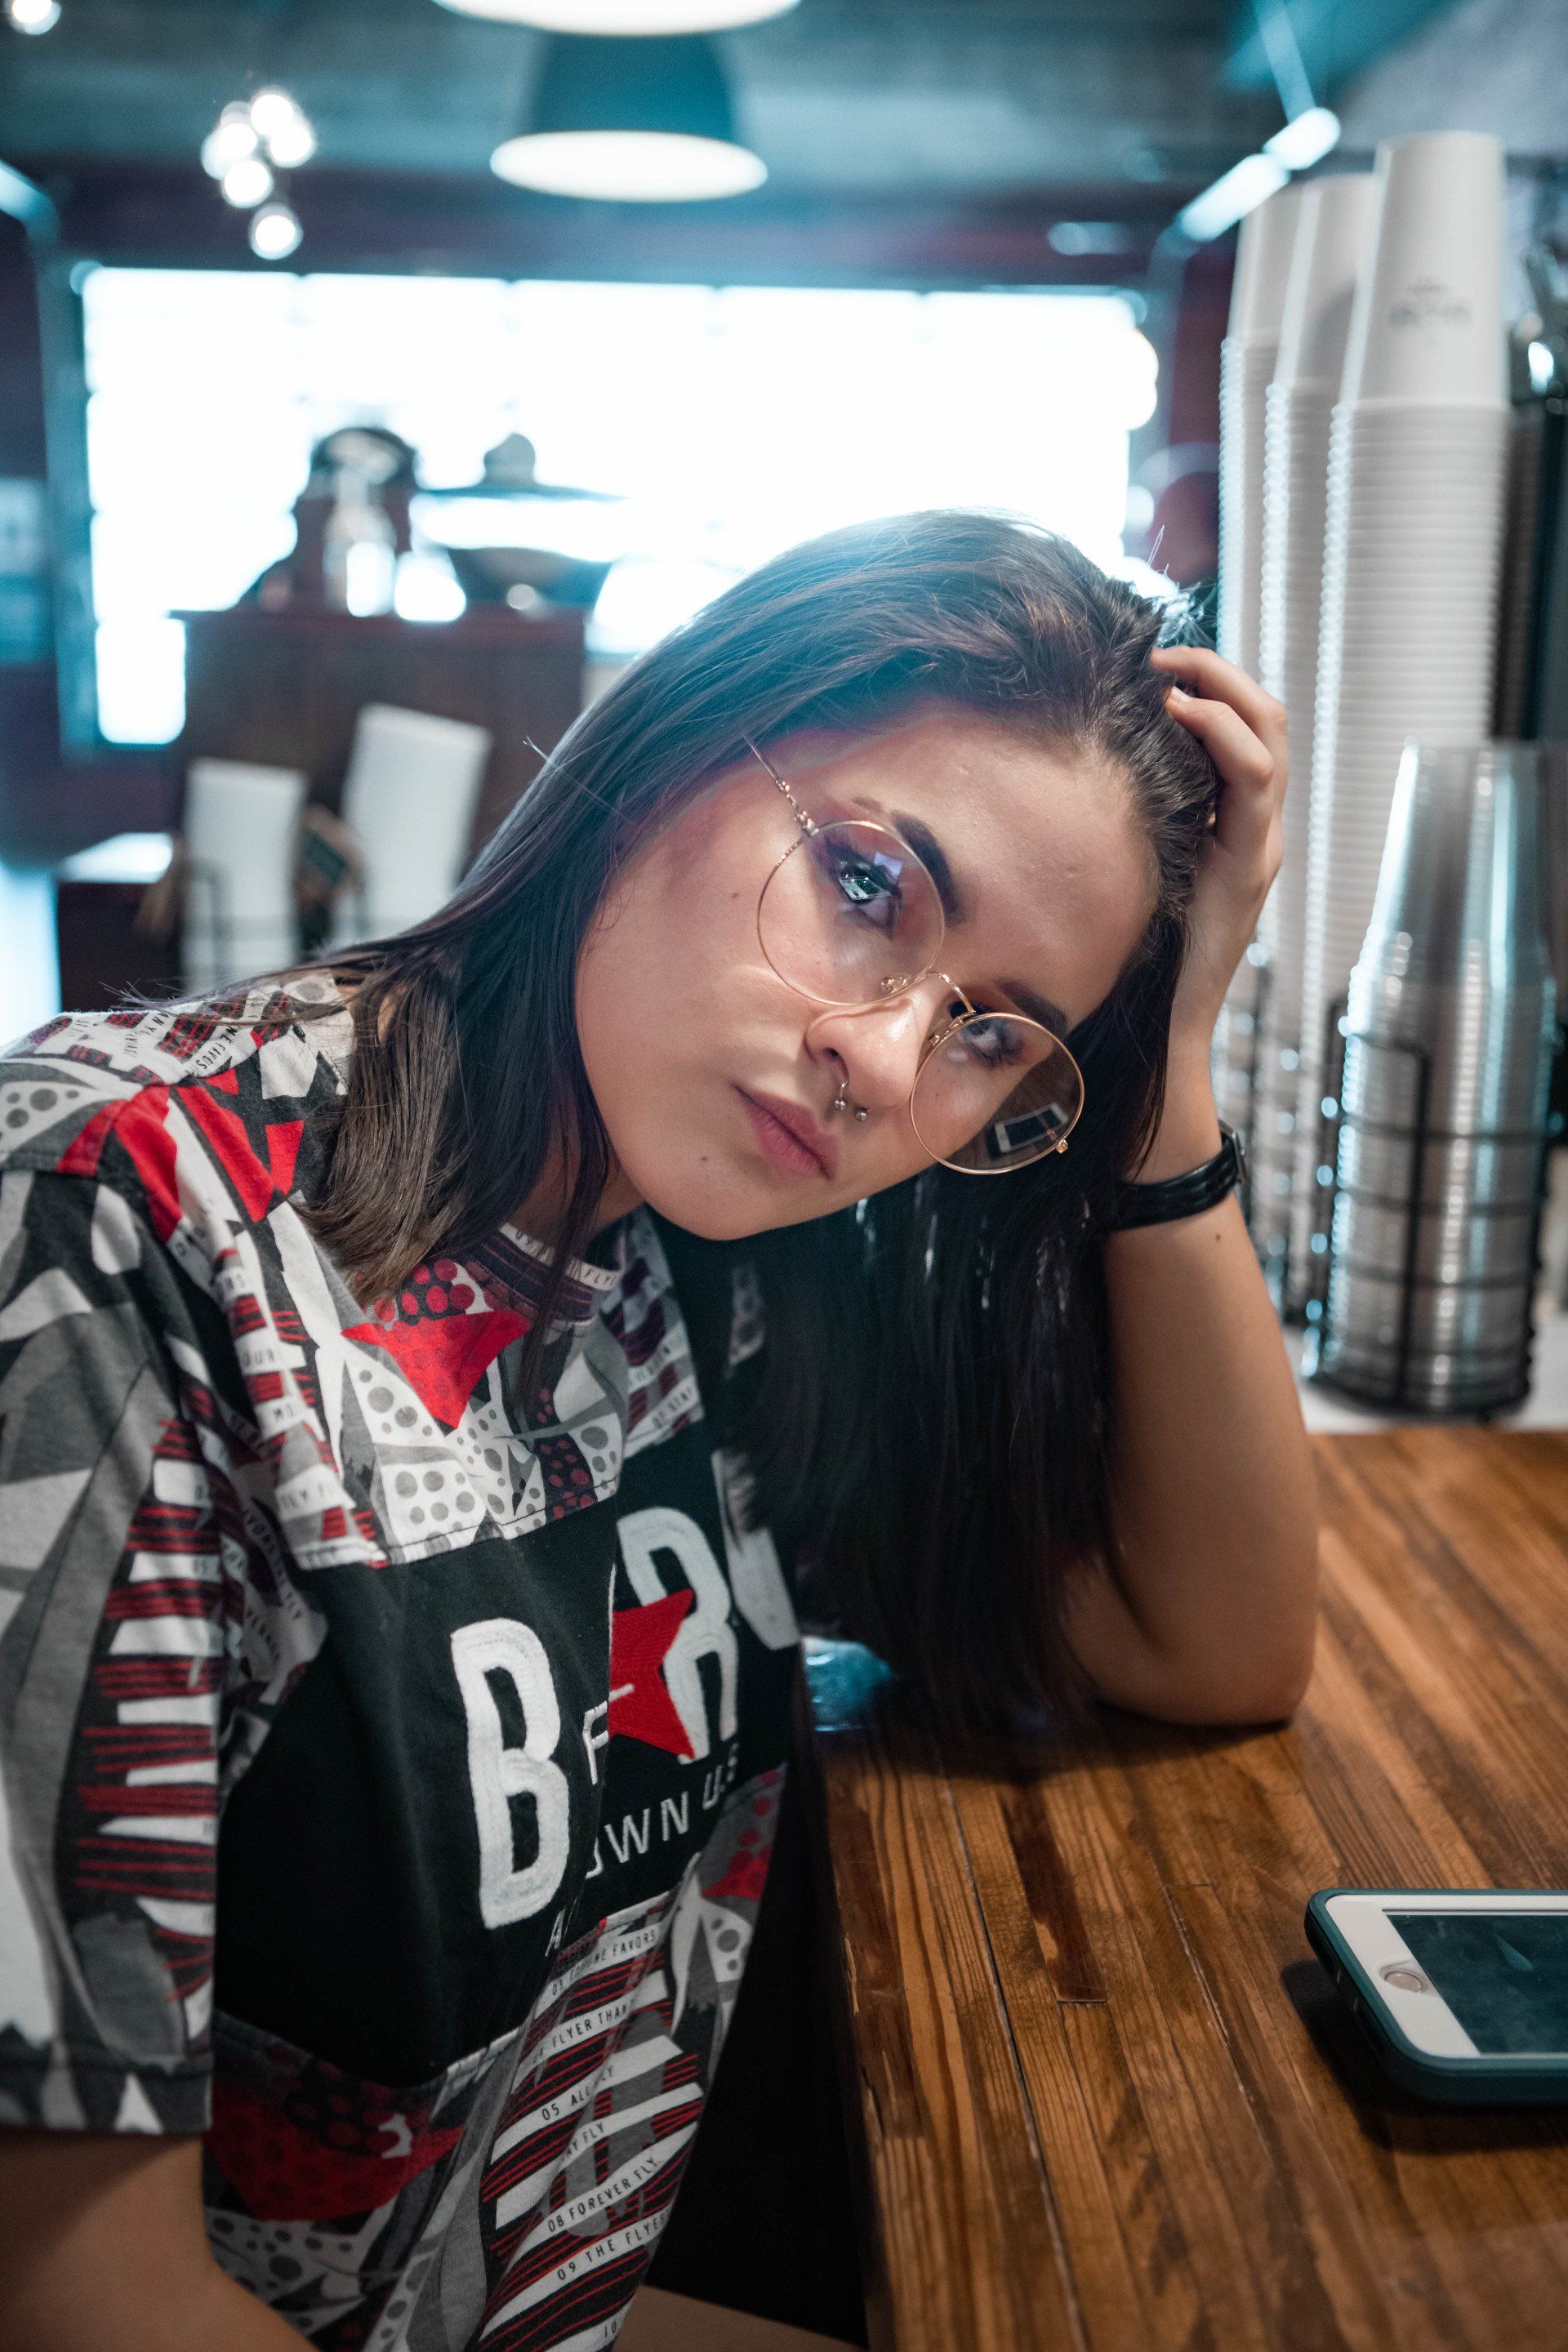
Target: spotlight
(33,16)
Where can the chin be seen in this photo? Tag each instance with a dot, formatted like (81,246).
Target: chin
(719,1202)
(712,1212)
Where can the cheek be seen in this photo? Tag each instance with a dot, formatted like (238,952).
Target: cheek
(665,978)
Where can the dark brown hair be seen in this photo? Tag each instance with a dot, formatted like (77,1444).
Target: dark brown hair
(929,1436)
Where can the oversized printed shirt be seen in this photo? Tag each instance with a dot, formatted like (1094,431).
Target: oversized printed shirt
(388,1757)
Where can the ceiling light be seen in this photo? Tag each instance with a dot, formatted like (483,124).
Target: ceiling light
(1231,198)
(234,139)
(625,17)
(283,127)
(245,183)
(291,143)
(630,122)
(275,231)
(1305,140)
(33,16)
(270,111)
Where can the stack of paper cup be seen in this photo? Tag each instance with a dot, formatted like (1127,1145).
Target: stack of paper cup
(1247,361)
(1412,561)
(1333,233)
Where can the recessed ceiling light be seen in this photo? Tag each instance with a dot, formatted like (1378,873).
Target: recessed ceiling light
(626,121)
(33,16)
(281,124)
(234,139)
(245,183)
(625,17)
(275,231)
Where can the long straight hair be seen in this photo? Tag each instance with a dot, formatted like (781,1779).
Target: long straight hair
(931,1429)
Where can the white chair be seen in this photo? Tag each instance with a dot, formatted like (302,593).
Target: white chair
(239,901)
(411,788)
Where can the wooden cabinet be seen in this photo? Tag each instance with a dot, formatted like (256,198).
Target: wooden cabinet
(286,688)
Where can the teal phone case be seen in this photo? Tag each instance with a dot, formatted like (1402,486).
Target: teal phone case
(1489,2080)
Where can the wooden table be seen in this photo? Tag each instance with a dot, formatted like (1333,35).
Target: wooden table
(1107,2097)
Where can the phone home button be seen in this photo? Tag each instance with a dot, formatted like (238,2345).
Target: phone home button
(1403,1977)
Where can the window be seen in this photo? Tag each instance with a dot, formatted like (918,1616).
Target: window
(734,420)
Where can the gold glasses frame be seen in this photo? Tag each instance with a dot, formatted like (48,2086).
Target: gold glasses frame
(903,983)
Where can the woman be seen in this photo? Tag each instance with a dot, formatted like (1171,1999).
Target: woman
(414,1383)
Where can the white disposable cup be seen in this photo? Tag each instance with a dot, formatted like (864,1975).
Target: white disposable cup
(1333,236)
(1263,255)
(1428,323)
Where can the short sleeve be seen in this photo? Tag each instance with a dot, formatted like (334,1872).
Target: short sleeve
(110,1666)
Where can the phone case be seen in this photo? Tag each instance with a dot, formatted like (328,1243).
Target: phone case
(1491,2081)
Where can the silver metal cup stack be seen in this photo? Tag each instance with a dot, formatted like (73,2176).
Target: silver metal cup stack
(1437,1128)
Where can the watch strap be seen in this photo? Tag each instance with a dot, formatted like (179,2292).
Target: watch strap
(1187,1195)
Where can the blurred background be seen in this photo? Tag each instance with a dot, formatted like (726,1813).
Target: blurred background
(378,376)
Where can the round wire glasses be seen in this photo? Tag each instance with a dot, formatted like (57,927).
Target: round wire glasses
(849,916)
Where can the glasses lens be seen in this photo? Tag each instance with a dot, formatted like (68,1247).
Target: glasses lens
(848,910)
(996,1093)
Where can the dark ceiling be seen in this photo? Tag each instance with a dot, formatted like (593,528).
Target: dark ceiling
(956,98)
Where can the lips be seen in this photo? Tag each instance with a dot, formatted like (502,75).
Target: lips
(796,1120)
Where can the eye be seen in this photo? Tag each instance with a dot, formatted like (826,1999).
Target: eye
(864,884)
(994,1040)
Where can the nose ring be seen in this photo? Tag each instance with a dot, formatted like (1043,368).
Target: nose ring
(840,1101)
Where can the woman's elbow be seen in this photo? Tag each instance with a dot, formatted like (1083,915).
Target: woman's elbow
(1219,1692)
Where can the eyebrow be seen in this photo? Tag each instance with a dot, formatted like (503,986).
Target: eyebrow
(931,854)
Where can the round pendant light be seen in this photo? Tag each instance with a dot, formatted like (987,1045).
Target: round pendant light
(625,17)
(630,122)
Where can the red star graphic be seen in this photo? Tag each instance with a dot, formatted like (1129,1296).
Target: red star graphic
(444,1359)
(640,1704)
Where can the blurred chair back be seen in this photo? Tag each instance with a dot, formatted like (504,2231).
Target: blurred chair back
(239,831)
(411,788)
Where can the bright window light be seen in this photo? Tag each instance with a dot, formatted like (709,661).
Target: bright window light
(731,422)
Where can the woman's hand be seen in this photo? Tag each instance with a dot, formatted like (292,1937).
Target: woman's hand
(1243,730)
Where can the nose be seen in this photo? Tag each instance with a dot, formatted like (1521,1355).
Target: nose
(880,1046)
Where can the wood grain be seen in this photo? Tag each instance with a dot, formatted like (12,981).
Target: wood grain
(1106,2096)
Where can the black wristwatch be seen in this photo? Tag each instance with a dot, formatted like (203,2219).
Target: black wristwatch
(1182,1196)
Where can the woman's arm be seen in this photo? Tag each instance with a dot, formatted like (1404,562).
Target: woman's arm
(101,2245)
(1206,1614)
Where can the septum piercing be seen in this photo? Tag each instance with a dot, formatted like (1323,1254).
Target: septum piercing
(840,1101)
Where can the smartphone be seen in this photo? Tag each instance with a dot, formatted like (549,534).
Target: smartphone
(1463,1991)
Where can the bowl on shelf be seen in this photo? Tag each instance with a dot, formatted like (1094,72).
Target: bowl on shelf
(503,575)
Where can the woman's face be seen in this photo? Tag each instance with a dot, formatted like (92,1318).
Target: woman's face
(685,1030)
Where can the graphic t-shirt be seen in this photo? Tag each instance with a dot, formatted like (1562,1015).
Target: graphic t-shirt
(388,1758)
